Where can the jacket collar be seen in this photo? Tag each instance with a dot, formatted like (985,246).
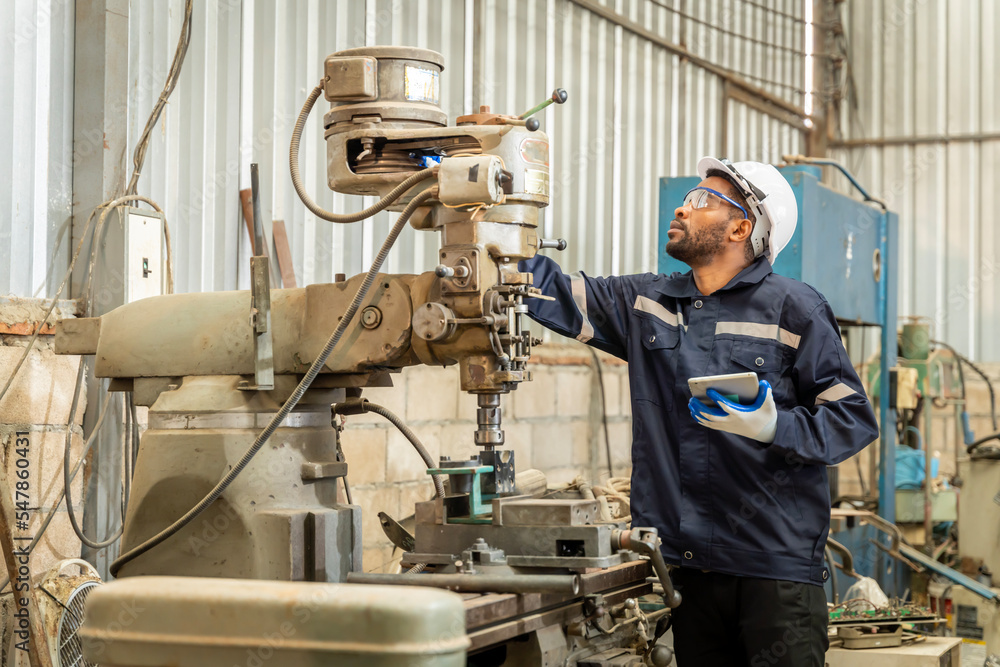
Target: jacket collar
(680,285)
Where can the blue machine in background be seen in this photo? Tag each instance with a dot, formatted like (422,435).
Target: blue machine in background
(847,250)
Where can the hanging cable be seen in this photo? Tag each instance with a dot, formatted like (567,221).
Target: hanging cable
(362,405)
(173,74)
(989,383)
(604,408)
(293,165)
(62,491)
(297,394)
(95,243)
(52,306)
(67,477)
(138,160)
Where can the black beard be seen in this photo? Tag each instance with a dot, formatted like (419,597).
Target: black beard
(698,250)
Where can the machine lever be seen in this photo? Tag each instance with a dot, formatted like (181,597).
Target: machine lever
(558,244)
(645,541)
(443,271)
(398,535)
(558,96)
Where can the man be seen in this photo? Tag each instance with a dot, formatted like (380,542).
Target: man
(738,492)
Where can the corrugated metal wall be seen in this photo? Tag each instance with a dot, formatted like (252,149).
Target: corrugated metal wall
(924,77)
(36,144)
(636,112)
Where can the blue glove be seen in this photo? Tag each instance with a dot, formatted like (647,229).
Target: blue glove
(757,421)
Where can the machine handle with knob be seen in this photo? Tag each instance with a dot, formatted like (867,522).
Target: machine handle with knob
(558,244)
(558,96)
(443,271)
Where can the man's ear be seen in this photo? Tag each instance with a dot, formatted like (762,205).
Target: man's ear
(742,231)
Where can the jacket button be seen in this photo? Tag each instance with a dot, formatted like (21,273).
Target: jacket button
(698,304)
(759,361)
(652,339)
(688,555)
(826,573)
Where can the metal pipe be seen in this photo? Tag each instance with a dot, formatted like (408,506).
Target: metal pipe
(562,584)
(846,558)
(926,561)
(887,527)
(833,575)
(917,140)
(887,359)
(928,458)
(802,159)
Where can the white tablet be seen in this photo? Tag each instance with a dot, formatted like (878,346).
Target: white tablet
(737,387)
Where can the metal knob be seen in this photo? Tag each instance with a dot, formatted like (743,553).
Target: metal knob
(558,244)
(443,271)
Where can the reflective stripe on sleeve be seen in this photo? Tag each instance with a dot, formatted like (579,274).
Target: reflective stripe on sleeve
(834,393)
(579,287)
(647,305)
(757,330)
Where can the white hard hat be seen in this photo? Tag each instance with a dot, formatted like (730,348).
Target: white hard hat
(769,196)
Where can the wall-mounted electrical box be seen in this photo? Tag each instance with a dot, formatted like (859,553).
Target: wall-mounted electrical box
(131,263)
(144,262)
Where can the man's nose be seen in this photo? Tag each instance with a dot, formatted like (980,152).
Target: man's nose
(682,212)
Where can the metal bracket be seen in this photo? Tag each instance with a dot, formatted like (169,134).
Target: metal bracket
(480,504)
(260,300)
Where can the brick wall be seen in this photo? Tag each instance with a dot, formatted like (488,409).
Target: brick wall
(552,423)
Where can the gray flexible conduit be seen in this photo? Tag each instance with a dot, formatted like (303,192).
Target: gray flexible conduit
(414,440)
(293,164)
(296,396)
(69,474)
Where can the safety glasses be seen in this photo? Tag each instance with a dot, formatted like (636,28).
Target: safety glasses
(702,197)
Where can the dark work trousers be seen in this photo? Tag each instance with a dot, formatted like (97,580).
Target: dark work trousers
(730,621)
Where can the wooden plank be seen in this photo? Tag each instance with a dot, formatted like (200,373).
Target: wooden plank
(284,255)
(246,201)
(247,204)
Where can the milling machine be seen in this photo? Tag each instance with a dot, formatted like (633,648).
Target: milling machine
(250,404)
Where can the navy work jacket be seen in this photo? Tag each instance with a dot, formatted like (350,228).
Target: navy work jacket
(723,502)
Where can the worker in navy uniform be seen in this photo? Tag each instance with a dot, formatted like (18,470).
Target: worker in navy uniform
(738,492)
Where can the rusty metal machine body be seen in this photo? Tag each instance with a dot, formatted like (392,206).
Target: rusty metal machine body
(197,363)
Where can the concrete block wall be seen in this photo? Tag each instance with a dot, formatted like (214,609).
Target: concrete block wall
(553,423)
(37,406)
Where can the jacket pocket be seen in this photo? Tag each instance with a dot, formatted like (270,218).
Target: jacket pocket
(760,357)
(658,335)
(651,371)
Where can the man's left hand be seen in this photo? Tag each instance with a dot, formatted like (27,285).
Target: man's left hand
(757,421)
